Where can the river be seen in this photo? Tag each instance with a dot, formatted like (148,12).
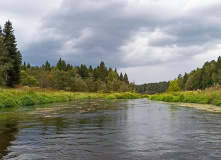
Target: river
(109,129)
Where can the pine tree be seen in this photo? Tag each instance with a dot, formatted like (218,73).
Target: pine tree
(90,69)
(121,77)
(83,71)
(59,64)
(13,74)
(103,71)
(24,66)
(28,65)
(47,66)
(5,61)
(126,78)
(69,67)
(63,66)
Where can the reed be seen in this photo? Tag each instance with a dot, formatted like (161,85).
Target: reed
(31,96)
(209,96)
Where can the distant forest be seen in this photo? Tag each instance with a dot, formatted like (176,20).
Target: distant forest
(201,78)
(60,77)
(152,88)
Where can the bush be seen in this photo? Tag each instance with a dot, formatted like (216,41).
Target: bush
(9,102)
(176,99)
(1,105)
(27,101)
(217,102)
(110,97)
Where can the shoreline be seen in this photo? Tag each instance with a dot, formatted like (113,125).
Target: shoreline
(30,97)
(205,107)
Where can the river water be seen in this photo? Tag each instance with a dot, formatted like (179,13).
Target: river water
(109,129)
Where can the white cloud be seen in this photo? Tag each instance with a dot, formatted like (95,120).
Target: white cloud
(70,46)
(139,51)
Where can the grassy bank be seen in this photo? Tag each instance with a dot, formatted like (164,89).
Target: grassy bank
(202,97)
(29,96)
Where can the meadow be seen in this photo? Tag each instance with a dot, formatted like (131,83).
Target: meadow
(208,96)
(33,96)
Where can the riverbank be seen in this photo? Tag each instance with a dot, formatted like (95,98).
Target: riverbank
(212,97)
(31,96)
(205,107)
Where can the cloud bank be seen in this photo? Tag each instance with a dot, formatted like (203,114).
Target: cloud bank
(151,40)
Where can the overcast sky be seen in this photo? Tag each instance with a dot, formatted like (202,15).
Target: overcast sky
(150,40)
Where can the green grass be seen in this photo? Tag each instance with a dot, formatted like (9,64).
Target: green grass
(201,97)
(32,96)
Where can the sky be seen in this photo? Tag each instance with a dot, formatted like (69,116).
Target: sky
(150,40)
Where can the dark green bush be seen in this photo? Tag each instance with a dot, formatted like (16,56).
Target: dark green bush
(27,101)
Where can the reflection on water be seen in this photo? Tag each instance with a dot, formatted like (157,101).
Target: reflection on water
(109,129)
(8,130)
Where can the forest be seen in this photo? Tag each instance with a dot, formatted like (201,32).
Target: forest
(153,88)
(60,77)
(201,78)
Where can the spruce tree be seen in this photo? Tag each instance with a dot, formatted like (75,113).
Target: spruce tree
(13,74)
(59,64)
(5,61)
(24,66)
(90,69)
(47,66)
(121,77)
(126,78)
(28,65)
(103,71)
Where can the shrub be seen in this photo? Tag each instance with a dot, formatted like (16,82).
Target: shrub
(1,105)
(27,101)
(176,99)
(9,102)
(217,102)
(110,97)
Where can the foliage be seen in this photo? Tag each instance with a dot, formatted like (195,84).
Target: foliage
(174,86)
(27,80)
(76,79)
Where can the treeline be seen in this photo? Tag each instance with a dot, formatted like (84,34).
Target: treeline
(61,77)
(152,88)
(201,78)
(77,79)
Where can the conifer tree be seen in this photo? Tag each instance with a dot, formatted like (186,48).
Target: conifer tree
(28,65)
(103,71)
(47,66)
(90,69)
(126,78)
(13,74)
(24,66)
(121,77)
(5,61)
(59,64)
(69,67)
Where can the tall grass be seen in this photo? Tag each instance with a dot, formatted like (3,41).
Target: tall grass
(32,96)
(209,96)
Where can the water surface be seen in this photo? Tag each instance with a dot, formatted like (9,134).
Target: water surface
(109,129)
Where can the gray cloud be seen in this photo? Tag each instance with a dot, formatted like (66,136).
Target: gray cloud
(123,33)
